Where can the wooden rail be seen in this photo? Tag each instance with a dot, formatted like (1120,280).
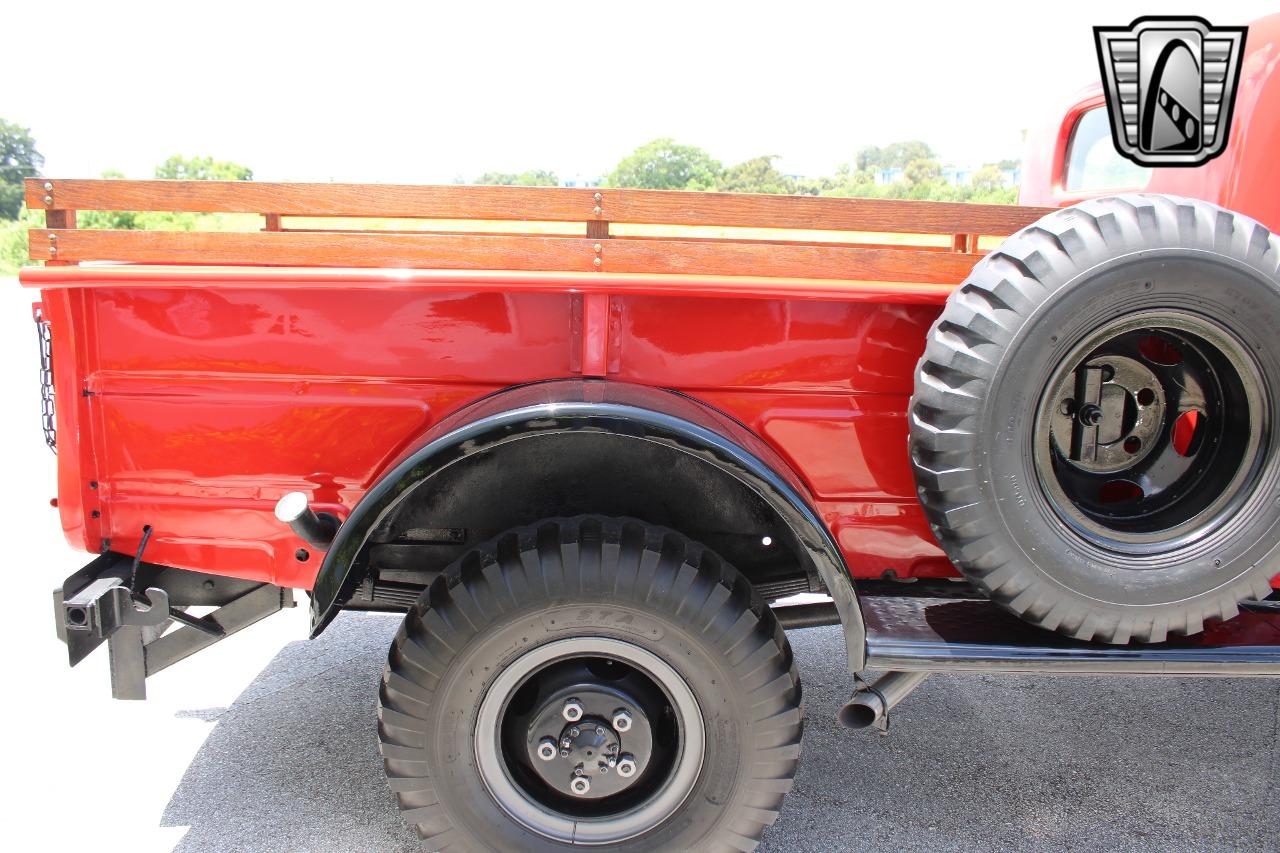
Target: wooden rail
(791,236)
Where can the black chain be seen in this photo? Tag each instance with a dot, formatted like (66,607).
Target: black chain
(47,418)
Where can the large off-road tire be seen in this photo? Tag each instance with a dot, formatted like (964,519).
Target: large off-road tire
(1051,438)
(608,615)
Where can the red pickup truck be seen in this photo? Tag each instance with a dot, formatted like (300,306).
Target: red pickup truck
(591,442)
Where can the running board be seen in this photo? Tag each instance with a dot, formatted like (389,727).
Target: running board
(968,635)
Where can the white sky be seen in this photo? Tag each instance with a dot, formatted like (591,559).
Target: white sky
(423,91)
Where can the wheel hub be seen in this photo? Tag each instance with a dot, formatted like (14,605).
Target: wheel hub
(1109,414)
(580,728)
(590,747)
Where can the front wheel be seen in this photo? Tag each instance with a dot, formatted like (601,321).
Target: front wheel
(590,681)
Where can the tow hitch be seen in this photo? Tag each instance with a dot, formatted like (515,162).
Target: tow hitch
(150,631)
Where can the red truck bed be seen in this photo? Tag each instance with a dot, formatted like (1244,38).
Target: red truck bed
(200,375)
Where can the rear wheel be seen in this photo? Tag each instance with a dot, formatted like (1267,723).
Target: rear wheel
(1094,426)
(590,681)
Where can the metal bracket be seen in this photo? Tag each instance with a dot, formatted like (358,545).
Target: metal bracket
(861,685)
(134,626)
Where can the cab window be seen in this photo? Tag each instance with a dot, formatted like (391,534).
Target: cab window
(1093,164)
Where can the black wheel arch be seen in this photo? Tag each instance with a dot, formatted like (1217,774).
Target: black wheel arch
(680,457)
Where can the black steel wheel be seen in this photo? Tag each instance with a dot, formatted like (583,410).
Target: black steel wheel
(1152,431)
(1094,425)
(589,740)
(590,681)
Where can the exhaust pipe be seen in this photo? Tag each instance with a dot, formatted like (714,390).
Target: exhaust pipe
(317,528)
(870,704)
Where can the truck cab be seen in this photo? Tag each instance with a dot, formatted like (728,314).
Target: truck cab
(1071,158)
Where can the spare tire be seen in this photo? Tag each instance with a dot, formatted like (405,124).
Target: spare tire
(1094,425)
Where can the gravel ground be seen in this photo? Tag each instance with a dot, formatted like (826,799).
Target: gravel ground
(971,763)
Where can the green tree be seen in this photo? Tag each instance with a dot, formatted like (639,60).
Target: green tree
(868,157)
(664,164)
(181,168)
(18,159)
(756,175)
(822,185)
(921,177)
(894,155)
(852,182)
(922,171)
(988,179)
(528,178)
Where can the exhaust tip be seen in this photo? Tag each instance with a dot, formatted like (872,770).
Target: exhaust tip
(291,507)
(318,528)
(859,713)
(870,704)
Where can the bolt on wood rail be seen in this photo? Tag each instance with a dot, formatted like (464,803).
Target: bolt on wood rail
(601,230)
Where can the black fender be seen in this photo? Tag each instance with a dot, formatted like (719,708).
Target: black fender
(560,406)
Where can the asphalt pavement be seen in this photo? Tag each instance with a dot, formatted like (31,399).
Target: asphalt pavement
(970,763)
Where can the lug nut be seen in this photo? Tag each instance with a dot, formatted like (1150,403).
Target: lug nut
(547,749)
(626,766)
(621,720)
(580,785)
(572,711)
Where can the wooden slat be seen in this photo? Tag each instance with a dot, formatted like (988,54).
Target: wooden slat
(779,242)
(464,251)
(363,249)
(561,204)
(363,200)
(754,259)
(48,252)
(60,218)
(909,247)
(817,213)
